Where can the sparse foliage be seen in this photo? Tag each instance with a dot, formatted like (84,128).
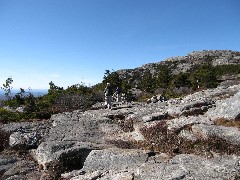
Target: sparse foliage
(163,77)
(112,78)
(205,77)
(147,83)
(7,88)
(79,96)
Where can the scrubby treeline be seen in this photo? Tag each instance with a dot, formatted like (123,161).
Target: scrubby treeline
(24,106)
(163,80)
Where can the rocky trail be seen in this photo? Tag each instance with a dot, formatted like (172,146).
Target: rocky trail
(194,137)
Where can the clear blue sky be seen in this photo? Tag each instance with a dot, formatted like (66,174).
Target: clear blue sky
(73,41)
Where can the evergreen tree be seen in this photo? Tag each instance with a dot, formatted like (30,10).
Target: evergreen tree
(112,78)
(147,83)
(204,77)
(7,88)
(163,77)
(181,80)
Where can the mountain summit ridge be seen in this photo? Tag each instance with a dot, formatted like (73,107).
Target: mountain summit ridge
(219,57)
(183,64)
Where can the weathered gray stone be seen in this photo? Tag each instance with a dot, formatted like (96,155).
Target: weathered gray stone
(74,173)
(228,109)
(25,126)
(154,116)
(21,167)
(6,164)
(186,166)
(20,139)
(174,110)
(136,134)
(25,134)
(89,175)
(118,176)
(114,159)
(178,123)
(85,137)
(14,177)
(154,99)
(181,64)
(54,151)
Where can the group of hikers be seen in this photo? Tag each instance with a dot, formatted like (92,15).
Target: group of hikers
(109,94)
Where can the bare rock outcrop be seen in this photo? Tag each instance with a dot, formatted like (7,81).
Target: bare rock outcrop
(228,109)
(186,166)
(128,141)
(182,64)
(25,134)
(114,159)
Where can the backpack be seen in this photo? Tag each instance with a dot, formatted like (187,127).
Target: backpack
(108,91)
(119,91)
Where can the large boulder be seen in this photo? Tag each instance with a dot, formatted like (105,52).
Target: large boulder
(155,116)
(77,126)
(187,166)
(63,151)
(187,108)
(181,122)
(20,139)
(115,159)
(19,170)
(110,163)
(25,134)
(6,163)
(228,109)
(184,166)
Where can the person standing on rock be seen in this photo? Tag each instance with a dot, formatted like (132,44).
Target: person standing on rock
(119,94)
(108,96)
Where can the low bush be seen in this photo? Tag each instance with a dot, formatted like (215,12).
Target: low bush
(227,123)
(73,101)
(9,116)
(4,140)
(158,138)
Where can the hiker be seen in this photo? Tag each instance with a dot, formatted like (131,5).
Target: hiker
(108,96)
(119,94)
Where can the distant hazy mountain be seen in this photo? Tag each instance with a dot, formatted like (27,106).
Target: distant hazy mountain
(35,92)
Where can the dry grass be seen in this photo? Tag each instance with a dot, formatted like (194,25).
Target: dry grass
(158,138)
(125,123)
(124,144)
(224,96)
(4,140)
(227,123)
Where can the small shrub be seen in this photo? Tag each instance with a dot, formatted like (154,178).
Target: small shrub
(9,116)
(158,138)
(73,101)
(222,146)
(4,140)
(144,97)
(126,124)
